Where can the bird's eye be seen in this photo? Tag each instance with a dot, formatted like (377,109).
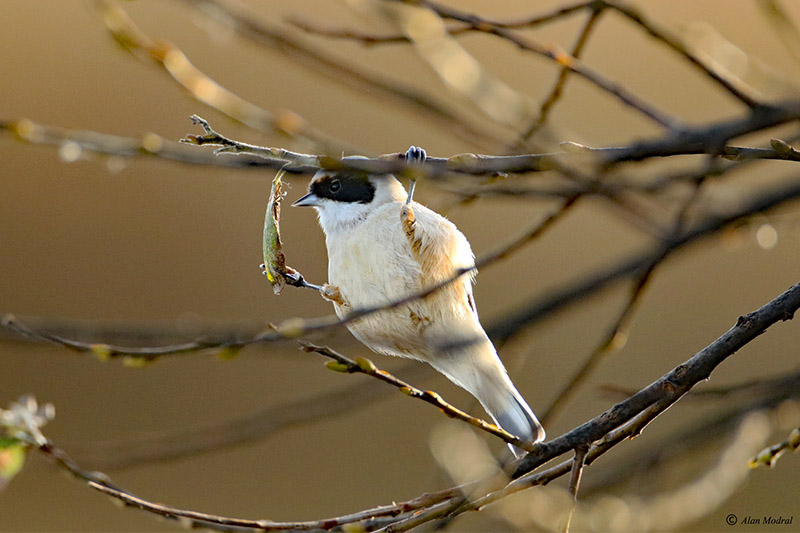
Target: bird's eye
(335,186)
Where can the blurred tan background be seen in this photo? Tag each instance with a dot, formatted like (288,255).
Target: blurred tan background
(178,246)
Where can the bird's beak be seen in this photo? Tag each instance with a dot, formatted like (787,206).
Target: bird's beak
(309,200)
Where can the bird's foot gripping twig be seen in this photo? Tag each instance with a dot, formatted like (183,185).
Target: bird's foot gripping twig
(332,294)
(293,278)
(414,154)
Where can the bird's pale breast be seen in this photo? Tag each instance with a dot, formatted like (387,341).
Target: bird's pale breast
(373,263)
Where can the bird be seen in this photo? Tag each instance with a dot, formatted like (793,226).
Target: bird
(383,246)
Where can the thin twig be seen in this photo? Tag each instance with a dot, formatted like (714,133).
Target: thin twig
(229,146)
(575,481)
(365,366)
(475,22)
(345,74)
(563,75)
(675,44)
(768,456)
(203,88)
(472,24)
(749,388)
(555,54)
(147,146)
(674,384)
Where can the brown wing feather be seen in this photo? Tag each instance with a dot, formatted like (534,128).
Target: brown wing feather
(440,249)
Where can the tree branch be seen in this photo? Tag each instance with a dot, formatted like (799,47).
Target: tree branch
(672,385)
(203,88)
(324,64)
(341,363)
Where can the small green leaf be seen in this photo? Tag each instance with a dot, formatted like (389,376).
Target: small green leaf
(336,366)
(366,365)
(794,439)
(12,458)
(7,442)
(353,527)
(137,362)
(274,260)
(226,353)
(781,147)
(291,328)
(101,351)
(467,160)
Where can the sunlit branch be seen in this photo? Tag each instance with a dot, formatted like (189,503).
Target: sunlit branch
(365,366)
(77,144)
(205,89)
(625,419)
(229,14)
(561,58)
(741,399)
(675,44)
(563,75)
(673,385)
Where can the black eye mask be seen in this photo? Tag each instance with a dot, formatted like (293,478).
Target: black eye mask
(344,187)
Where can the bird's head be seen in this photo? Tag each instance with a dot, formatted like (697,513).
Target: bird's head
(345,198)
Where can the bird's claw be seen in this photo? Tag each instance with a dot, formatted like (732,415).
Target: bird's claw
(414,154)
(332,294)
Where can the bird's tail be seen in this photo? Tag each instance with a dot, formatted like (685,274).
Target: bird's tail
(478,369)
(516,417)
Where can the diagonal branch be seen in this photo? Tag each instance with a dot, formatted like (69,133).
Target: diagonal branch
(324,64)
(674,384)
(578,462)
(563,75)
(675,44)
(340,363)
(203,88)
